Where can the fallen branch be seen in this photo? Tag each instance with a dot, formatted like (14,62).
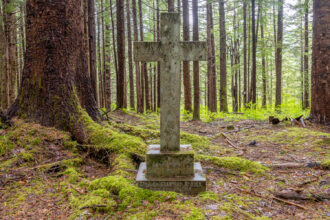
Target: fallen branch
(289,203)
(272,197)
(228,140)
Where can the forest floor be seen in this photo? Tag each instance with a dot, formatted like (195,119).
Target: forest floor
(254,170)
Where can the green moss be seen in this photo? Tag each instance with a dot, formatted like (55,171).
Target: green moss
(235,163)
(325,164)
(27,157)
(209,196)
(5,145)
(128,194)
(72,174)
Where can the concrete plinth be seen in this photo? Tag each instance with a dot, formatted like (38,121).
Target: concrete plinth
(170,164)
(187,185)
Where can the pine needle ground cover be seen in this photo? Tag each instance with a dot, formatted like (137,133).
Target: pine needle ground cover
(44,173)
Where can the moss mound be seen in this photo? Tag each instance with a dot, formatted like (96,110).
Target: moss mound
(235,163)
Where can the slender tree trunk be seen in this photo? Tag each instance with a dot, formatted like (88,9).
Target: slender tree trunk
(306,75)
(121,53)
(144,71)
(223,60)
(158,64)
(3,103)
(92,45)
(278,100)
(263,58)
(320,111)
(253,94)
(107,71)
(139,97)
(196,113)
(51,87)
(186,64)
(114,45)
(302,58)
(130,59)
(99,60)
(245,100)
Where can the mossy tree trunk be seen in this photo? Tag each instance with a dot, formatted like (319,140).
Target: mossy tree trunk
(55,82)
(320,110)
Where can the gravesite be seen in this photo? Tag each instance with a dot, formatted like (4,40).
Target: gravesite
(177,109)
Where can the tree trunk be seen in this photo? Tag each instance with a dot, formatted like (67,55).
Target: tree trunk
(245,100)
(130,59)
(278,100)
(55,72)
(186,65)
(139,97)
(320,111)
(99,59)
(92,45)
(263,58)
(306,75)
(158,64)
(223,60)
(196,113)
(107,71)
(253,93)
(121,53)
(170,4)
(114,45)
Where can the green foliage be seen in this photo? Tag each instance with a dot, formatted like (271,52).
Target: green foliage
(5,145)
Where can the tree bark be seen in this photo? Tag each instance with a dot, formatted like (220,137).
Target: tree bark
(306,75)
(139,97)
(245,100)
(320,111)
(158,63)
(130,59)
(253,93)
(196,113)
(223,60)
(92,45)
(55,72)
(186,64)
(263,61)
(170,4)
(278,100)
(121,53)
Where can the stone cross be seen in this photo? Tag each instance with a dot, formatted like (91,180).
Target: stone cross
(170,51)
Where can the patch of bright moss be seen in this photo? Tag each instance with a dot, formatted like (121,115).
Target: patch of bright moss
(72,174)
(5,145)
(235,163)
(209,196)
(325,164)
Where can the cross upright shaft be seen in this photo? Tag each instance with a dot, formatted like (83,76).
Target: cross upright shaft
(170,52)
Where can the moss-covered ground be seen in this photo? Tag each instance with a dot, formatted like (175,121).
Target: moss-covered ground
(44,174)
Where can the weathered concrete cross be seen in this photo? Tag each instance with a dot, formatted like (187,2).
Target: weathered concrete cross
(170,52)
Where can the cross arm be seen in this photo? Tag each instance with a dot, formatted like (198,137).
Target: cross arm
(194,51)
(147,51)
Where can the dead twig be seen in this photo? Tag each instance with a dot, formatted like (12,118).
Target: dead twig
(272,197)
(229,141)
(289,203)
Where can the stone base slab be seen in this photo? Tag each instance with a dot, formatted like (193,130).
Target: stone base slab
(170,164)
(186,185)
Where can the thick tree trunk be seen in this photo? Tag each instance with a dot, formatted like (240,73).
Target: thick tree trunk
(121,53)
(320,111)
(139,97)
(186,64)
(223,60)
(306,75)
(196,113)
(130,58)
(92,45)
(278,100)
(55,72)
(99,59)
